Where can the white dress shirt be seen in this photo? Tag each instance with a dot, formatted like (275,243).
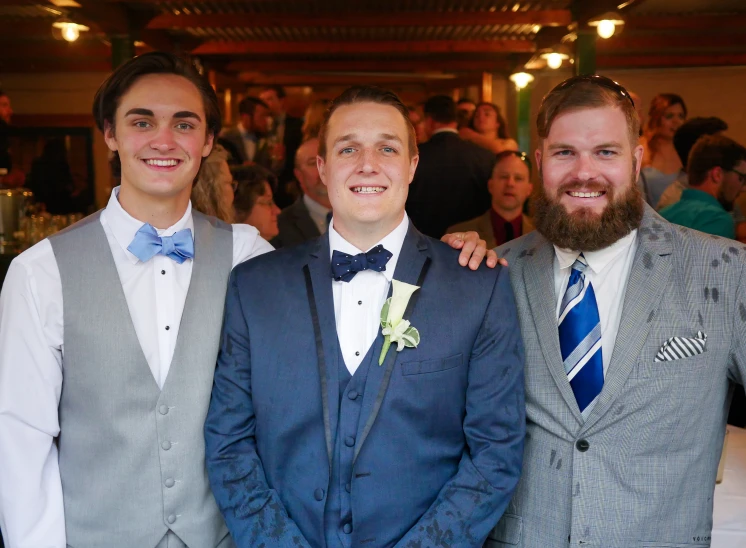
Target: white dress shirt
(249,142)
(31,367)
(317,212)
(608,271)
(358,303)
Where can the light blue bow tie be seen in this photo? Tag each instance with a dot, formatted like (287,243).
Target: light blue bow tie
(147,244)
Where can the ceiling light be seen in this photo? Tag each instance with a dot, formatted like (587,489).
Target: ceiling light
(67,30)
(521,79)
(606,25)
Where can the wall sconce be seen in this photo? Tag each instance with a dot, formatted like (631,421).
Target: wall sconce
(521,79)
(64,29)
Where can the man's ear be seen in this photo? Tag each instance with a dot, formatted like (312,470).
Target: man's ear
(716,174)
(109,137)
(321,166)
(208,144)
(413,162)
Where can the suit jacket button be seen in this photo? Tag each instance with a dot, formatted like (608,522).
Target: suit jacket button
(348,487)
(166,445)
(350,441)
(352,395)
(163,409)
(318,494)
(582,445)
(171,519)
(347,528)
(169,482)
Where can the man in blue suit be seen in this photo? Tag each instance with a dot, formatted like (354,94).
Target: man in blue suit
(327,430)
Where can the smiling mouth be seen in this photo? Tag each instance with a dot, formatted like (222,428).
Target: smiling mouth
(575,194)
(368,189)
(154,162)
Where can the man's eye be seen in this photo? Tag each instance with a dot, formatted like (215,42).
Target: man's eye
(346,150)
(389,150)
(184,126)
(606,153)
(563,153)
(142,124)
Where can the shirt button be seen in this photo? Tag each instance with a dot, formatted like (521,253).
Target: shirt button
(348,487)
(360,302)
(163,272)
(167,328)
(347,528)
(352,395)
(349,441)
(318,494)
(166,445)
(169,482)
(583,445)
(171,518)
(357,353)
(163,409)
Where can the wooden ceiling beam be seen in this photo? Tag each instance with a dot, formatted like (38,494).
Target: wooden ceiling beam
(671,60)
(364,47)
(361,20)
(257,79)
(686,22)
(624,43)
(370,65)
(54,65)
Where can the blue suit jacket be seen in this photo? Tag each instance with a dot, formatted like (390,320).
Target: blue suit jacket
(440,437)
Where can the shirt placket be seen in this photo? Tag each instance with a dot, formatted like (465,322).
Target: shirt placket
(164,274)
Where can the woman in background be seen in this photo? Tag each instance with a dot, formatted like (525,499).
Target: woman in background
(212,193)
(253,203)
(313,118)
(488,130)
(661,164)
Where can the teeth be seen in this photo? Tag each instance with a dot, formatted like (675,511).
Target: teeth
(161,163)
(368,189)
(586,194)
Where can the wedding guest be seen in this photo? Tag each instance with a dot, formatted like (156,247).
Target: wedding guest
(212,193)
(417,446)
(633,337)
(464,112)
(253,202)
(510,186)
(661,163)
(313,118)
(488,129)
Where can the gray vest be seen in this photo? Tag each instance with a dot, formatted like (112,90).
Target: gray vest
(132,456)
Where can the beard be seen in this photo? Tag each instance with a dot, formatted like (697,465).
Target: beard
(585,230)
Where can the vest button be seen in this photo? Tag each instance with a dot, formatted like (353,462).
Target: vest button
(163,409)
(318,494)
(166,445)
(350,441)
(348,487)
(171,518)
(352,395)
(582,445)
(169,482)
(347,528)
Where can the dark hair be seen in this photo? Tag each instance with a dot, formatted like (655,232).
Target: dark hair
(3,94)
(248,105)
(249,182)
(582,92)
(464,101)
(367,94)
(691,130)
(279,90)
(107,98)
(502,129)
(520,155)
(441,108)
(712,151)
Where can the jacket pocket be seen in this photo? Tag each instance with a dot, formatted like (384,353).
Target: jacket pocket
(431,366)
(507,532)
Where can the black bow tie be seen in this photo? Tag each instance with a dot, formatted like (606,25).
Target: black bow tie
(344,266)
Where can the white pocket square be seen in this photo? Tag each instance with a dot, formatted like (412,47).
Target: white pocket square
(677,348)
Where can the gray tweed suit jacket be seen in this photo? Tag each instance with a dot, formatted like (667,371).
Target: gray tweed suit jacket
(640,471)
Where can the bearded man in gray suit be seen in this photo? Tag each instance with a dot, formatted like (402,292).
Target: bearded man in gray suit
(634,332)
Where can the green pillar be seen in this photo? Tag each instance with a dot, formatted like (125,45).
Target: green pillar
(523,97)
(585,52)
(122,50)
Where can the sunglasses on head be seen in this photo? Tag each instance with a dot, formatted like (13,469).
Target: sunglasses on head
(598,80)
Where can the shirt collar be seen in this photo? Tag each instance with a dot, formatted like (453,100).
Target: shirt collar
(124,227)
(700,196)
(315,207)
(393,242)
(597,260)
(446,130)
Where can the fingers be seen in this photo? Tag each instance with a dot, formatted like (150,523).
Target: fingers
(455,240)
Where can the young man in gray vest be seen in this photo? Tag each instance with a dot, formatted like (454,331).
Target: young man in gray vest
(121,374)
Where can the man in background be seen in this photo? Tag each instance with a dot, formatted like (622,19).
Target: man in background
(450,184)
(243,140)
(510,186)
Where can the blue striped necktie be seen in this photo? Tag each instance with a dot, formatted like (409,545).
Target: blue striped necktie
(580,338)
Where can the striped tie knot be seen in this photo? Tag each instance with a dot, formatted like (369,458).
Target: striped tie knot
(580,264)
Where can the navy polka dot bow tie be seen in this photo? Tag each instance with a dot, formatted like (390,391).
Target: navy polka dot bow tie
(344,266)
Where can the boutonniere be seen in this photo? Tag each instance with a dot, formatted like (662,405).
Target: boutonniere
(395,329)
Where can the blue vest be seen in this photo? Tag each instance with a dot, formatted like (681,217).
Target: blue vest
(338,519)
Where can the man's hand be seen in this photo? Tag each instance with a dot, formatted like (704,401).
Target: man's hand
(473,249)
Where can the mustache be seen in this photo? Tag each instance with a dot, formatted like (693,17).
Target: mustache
(585,186)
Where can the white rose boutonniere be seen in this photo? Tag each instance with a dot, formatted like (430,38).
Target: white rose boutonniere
(395,329)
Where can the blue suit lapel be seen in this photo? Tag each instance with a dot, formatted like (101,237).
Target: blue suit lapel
(410,268)
(319,288)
